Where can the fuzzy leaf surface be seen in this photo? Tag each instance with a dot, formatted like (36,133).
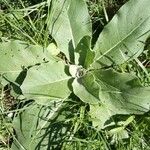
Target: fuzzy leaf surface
(68,23)
(35,129)
(83,53)
(16,55)
(46,82)
(110,93)
(124,37)
(86,89)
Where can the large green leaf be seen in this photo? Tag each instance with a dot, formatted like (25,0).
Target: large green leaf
(47,82)
(83,53)
(41,80)
(120,94)
(37,129)
(86,89)
(125,35)
(16,55)
(68,23)
(115,93)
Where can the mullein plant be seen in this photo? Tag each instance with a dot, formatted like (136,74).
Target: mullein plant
(50,75)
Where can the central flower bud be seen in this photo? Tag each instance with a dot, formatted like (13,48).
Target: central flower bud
(76,71)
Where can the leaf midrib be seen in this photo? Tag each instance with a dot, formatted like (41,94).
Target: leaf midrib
(51,82)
